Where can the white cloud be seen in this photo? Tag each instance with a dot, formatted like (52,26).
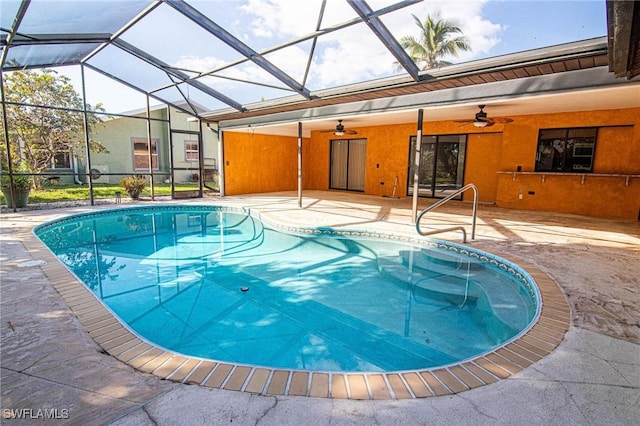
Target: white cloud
(483,36)
(277,18)
(359,56)
(292,60)
(199,64)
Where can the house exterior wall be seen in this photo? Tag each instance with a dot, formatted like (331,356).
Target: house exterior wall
(260,163)
(179,124)
(117,135)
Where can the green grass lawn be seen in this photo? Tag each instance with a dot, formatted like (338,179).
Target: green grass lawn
(53,193)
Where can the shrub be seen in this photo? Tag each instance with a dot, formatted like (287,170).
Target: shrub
(134,185)
(20,181)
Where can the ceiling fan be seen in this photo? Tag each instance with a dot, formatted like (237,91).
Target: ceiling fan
(482,120)
(340,130)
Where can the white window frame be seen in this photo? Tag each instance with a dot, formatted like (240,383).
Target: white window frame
(187,151)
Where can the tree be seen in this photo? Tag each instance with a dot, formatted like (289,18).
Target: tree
(45,121)
(437,40)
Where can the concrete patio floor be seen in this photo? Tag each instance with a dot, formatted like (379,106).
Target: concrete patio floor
(48,361)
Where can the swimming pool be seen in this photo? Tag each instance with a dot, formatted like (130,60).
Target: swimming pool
(218,283)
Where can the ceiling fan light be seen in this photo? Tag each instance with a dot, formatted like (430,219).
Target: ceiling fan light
(480,123)
(338,133)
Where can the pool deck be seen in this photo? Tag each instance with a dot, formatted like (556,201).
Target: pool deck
(54,336)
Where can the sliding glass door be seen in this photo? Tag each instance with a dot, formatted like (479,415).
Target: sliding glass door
(348,160)
(441,165)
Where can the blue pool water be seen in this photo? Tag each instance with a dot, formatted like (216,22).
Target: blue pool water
(219,284)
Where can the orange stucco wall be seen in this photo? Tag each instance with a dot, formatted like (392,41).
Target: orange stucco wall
(595,196)
(258,163)
(387,157)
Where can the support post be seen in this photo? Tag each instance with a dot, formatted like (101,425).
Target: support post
(201,158)
(87,137)
(171,159)
(299,164)
(416,168)
(12,186)
(221,162)
(149,151)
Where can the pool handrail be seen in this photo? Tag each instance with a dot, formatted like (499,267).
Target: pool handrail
(453,228)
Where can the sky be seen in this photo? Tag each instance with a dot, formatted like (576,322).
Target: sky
(493,28)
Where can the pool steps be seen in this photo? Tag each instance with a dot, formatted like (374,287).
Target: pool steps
(439,257)
(434,273)
(438,284)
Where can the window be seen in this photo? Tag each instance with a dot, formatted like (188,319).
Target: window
(62,160)
(141,153)
(59,160)
(566,150)
(191,151)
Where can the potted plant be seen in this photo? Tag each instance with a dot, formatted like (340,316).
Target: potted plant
(134,185)
(22,187)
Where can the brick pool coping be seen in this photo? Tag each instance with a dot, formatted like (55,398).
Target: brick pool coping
(118,341)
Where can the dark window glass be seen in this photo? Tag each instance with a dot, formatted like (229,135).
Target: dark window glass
(441,171)
(141,154)
(566,150)
(62,160)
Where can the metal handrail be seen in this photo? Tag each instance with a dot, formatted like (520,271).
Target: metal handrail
(453,228)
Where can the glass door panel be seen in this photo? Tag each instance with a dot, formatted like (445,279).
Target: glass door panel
(339,158)
(447,175)
(348,161)
(425,173)
(357,162)
(441,169)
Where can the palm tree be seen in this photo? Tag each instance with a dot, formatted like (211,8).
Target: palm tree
(437,40)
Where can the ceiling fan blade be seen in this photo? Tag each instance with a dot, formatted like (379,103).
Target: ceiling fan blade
(502,120)
(482,120)
(340,130)
(345,131)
